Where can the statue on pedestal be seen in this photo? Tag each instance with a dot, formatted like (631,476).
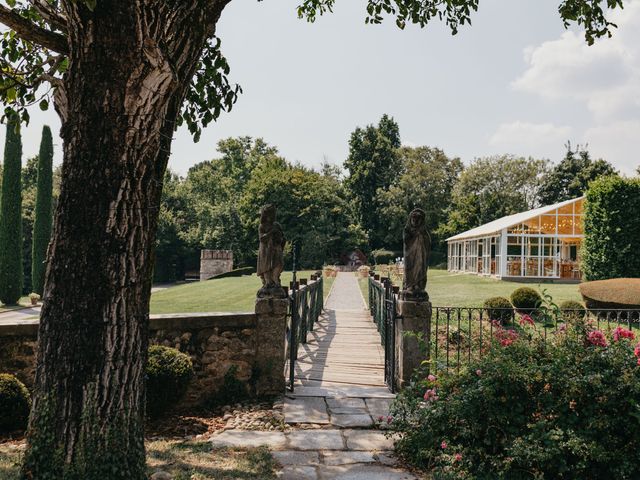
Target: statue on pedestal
(270,254)
(417,248)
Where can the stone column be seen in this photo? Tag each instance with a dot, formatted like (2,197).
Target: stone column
(271,327)
(415,317)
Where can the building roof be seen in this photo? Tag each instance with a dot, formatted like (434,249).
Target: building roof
(509,221)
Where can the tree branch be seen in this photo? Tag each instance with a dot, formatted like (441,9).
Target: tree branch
(31,32)
(55,18)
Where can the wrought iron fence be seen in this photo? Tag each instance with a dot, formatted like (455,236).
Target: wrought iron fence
(459,335)
(382,305)
(306,302)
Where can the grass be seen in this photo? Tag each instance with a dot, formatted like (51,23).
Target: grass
(236,294)
(465,290)
(182,460)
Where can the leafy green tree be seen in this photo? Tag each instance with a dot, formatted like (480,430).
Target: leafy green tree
(100,57)
(427,180)
(571,177)
(373,165)
(11,218)
(493,187)
(44,211)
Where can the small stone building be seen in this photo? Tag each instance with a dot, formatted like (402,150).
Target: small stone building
(215,262)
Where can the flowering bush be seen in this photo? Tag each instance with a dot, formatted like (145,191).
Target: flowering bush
(567,409)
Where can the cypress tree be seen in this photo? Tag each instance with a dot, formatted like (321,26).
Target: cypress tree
(11,218)
(42,222)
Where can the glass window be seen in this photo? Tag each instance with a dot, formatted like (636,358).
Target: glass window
(548,224)
(532,225)
(566,210)
(579,205)
(565,224)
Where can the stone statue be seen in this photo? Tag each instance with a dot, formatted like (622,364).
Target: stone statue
(270,254)
(417,247)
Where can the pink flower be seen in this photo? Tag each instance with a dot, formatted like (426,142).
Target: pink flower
(380,418)
(389,419)
(479,372)
(506,337)
(431,395)
(621,332)
(636,351)
(597,338)
(443,445)
(526,320)
(431,378)
(563,328)
(457,457)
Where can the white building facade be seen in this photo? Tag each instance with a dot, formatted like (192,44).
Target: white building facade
(543,243)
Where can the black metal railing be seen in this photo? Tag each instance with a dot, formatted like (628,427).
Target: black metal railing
(306,302)
(460,335)
(382,305)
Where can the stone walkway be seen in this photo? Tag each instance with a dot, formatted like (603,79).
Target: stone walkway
(338,400)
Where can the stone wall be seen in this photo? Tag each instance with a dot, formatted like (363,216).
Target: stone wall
(215,262)
(215,342)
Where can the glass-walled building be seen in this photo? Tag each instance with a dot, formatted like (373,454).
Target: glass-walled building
(542,243)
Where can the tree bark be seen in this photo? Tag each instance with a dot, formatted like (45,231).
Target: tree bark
(130,64)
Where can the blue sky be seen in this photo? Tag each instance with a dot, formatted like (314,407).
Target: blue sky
(514,82)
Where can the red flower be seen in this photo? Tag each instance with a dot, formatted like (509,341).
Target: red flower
(443,445)
(457,457)
(506,337)
(621,332)
(526,320)
(431,395)
(597,338)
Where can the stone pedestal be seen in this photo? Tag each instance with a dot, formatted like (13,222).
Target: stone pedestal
(415,317)
(271,316)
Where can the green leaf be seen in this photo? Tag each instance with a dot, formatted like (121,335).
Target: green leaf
(44,104)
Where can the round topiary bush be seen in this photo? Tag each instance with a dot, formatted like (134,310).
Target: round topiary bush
(15,403)
(500,309)
(526,299)
(573,307)
(169,372)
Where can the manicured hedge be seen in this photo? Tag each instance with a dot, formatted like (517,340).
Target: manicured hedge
(526,299)
(616,293)
(499,308)
(612,229)
(15,403)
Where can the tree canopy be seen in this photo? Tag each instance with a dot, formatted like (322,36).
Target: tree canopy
(34,53)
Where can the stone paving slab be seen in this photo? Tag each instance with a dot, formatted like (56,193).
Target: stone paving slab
(378,407)
(345,457)
(364,472)
(351,420)
(345,403)
(367,440)
(341,390)
(298,472)
(305,410)
(248,438)
(315,440)
(295,457)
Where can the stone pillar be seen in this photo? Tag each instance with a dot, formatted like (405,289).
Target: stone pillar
(415,317)
(271,327)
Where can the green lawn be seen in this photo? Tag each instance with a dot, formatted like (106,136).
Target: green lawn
(221,295)
(465,290)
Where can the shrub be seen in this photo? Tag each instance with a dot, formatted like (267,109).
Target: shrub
(382,256)
(15,403)
(565,409)
(499,308)
(526,299)
(611,229)
(573,308)
(617,293)
(169,372)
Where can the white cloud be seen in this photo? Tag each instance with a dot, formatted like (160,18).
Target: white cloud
(535,139)
(605,76)
(618,142)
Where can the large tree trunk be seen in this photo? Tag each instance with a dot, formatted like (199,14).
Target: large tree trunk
(130,64)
